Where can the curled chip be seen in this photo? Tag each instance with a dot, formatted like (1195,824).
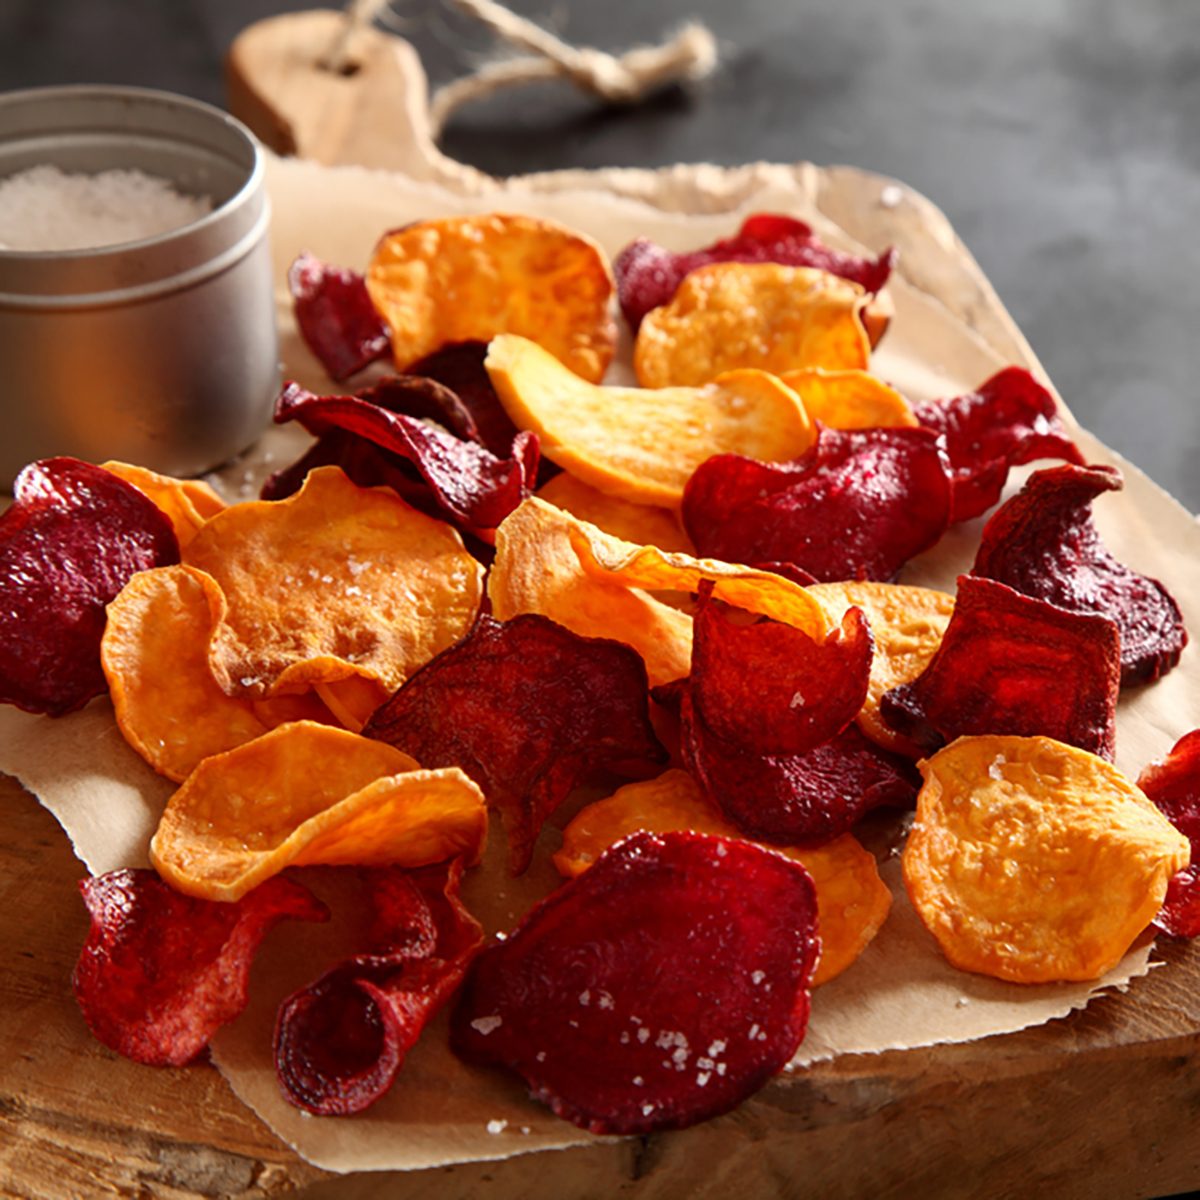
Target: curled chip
(648,275)
(859,504)
(642,524)
(335,316)
(160,972)
(638,445)
(73,538)
(1010,419)
(528,709)
(335,581)
(733,316)
(852,901)
(186,503)
(469,484)
(340,1042)
(1009,663)
(307,794)
(1043,543)
(1174,786)
(1033,861)
(663,986)
(849,399)
(907,624)
(461,279)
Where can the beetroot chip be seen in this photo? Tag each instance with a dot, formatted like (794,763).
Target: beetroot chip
(1174,785)
(649,275)
(73,538)
(340,1042)
(1012,664)
(663,986)
(857,504)
(335,316)
(528,709)
(1008,420)
(1043,543)
(472,486)
(161,972)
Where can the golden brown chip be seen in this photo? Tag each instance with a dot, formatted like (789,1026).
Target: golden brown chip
(644,445)
(642,524)
(464,279)
(155,657)
(907,624)
(849,399)
(333,582)
(307,794)
(736,315)
(187,503)
(537,570)
(351,700)
(852,901)
(1034,861)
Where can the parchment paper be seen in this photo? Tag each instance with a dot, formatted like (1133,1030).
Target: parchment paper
(901,993)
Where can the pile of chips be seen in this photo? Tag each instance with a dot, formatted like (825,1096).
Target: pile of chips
(493,579)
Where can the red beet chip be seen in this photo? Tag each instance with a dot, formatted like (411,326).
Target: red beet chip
(469,483)
(1008,420)
(1043,543)
(1174,785)
(858,504)
(528,709)
(663,986)
(335,316)
(649,275)
(340,1042)
(73,538)
(1012,664)
(161,972)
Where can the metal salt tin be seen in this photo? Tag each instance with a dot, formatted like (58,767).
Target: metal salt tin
(161,352)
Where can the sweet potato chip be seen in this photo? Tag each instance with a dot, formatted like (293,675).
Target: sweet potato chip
(1033,861)
(307,794)
(907,624)
(852,901)
(642,524)
(1043,543)
(155,657)
(849,399)
(1174,786)
(186,503)
(639,445)
(73,538)
(528,709)
(334,581)
(160,972)
(459,279)
(1009,419)
(732,316)
(663,986)
(1010,664)
(859,504)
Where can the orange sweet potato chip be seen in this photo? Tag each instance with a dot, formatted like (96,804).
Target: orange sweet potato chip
(307,794)
(464,279)
(335,581)
(187,503)
(763,315)
(642,524)
(849,399)
(907,624)
(638,445)
(852,901)
(1035,861)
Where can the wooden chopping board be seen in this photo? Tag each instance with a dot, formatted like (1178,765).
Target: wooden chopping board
(1106,1098)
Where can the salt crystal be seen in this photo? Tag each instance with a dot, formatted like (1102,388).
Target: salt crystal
(497,1126)
(44,208)
(486,1025)
(891,196)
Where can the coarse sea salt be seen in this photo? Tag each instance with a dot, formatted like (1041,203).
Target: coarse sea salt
(44,208)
